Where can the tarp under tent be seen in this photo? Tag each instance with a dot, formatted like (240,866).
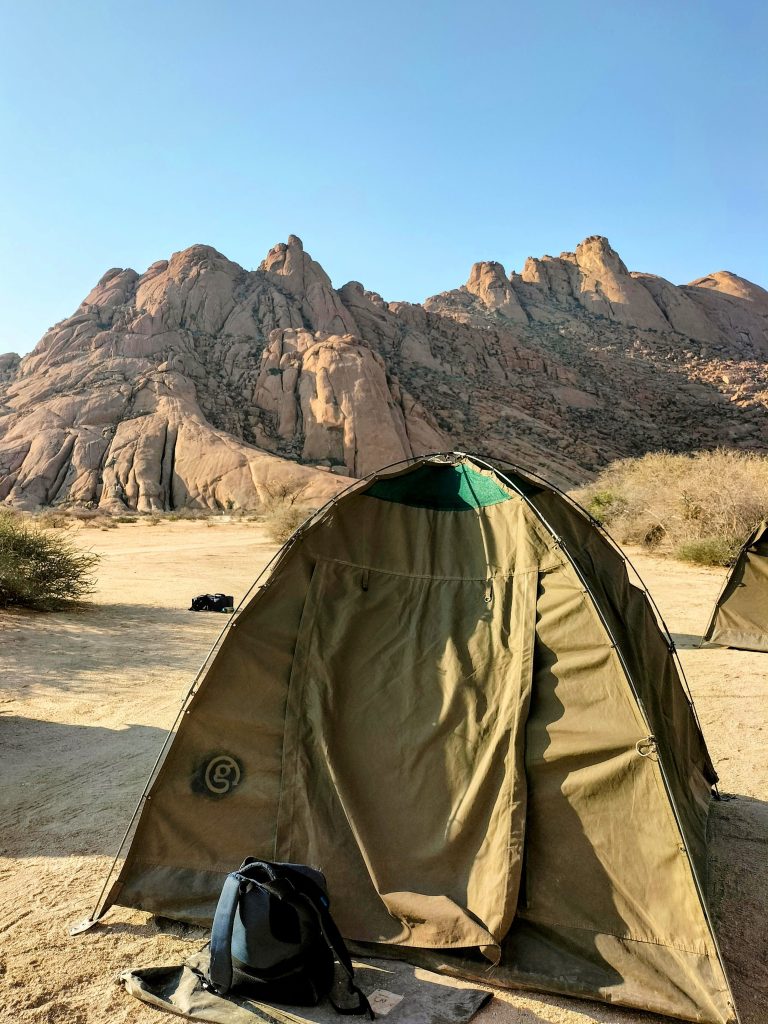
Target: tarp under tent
(448,695)
(740,616)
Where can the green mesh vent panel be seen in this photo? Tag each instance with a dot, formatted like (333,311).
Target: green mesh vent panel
(440,487)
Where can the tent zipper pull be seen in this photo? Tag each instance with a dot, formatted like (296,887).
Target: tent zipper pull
(364,579)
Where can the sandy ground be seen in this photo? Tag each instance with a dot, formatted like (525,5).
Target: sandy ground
(88,694)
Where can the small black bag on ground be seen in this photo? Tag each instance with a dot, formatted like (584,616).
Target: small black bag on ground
(273,937)
(212,603)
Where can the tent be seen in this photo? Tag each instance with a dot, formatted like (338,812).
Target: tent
(740,616)
(448,695)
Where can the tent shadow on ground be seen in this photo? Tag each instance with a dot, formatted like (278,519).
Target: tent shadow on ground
(686,641)
(70,789)
(93,638)
(738,896)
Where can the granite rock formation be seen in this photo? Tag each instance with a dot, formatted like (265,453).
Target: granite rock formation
(201,384)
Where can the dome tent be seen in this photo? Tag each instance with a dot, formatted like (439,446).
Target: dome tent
(448,695)
(740,615)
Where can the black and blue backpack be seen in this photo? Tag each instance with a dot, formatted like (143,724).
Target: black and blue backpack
(273,939)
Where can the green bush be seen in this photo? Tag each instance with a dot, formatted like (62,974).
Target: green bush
(39,569)
(708,551)
(604,506)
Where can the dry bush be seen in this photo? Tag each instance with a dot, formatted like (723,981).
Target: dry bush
(53,520)
(84,515)
(39,569)
(103,521)
(701,507)
(283,511)
(183,515)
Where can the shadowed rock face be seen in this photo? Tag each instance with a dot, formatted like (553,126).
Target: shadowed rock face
(201,384)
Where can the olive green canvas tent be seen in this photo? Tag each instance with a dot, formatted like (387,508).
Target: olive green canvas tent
(448,695)
(740,617)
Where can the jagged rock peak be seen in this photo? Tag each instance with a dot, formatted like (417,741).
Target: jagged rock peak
(489,282)
(486,271)
(113,289)
(287,257)
(294,270)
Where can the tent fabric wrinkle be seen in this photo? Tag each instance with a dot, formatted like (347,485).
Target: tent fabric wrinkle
(450,698)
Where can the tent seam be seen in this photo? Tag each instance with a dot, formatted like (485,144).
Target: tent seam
(624,938)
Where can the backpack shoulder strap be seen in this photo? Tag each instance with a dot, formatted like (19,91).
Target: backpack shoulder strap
(220,969)
(318,901)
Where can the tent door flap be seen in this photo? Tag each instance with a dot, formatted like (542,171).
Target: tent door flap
(403,761)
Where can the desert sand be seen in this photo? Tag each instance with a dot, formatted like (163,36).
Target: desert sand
(89,693)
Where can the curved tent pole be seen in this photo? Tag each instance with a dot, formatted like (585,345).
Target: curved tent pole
(697,882)
(625,558)
(98,910)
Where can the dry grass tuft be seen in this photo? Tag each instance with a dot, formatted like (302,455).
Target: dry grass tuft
(699,507)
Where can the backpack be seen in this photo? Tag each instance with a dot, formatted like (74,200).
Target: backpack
(273,937)
(212,603)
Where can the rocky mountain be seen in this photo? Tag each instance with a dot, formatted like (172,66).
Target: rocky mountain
(199,383)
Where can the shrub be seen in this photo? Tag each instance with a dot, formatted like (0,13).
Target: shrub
(125,520)
(701,507)
(605,506)
(282,523)
(39,569)
(708,551)
(283,512)
(54,521)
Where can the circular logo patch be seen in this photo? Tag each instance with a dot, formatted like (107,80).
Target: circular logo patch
(217,775)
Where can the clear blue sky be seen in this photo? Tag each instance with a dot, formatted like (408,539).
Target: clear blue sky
(401,140)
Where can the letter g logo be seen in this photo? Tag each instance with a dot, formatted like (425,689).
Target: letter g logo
(217,775)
